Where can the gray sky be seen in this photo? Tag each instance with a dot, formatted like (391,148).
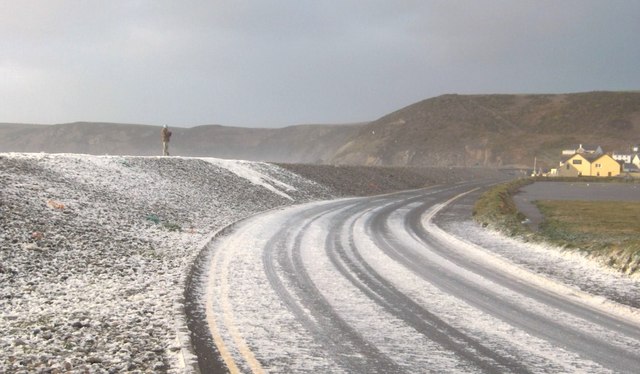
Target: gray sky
(264,63)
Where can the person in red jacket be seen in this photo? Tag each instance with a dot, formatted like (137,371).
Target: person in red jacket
(166,135)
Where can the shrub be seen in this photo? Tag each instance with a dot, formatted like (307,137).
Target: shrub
(153,218)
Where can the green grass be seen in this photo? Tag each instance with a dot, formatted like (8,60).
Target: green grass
(593,217)
(496,209)
(608,231)
(600,228)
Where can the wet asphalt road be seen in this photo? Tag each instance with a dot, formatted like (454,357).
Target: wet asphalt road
(372,285)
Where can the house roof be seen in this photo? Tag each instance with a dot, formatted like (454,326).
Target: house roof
(587,156)
(589,147)
(569,157)
(597,157)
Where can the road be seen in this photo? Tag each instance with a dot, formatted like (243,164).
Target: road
(372,285)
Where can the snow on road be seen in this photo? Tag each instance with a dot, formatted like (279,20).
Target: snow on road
(494,333)
(372,285)
(241,302)
(564,267)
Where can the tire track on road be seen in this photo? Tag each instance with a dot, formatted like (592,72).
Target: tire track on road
(413,224)
(331,271)
(535,324)
(343,342)
(355,268)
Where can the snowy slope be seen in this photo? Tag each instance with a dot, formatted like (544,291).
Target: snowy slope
(94,252)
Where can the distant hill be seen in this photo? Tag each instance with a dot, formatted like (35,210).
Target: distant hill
(304,143)
(449,130)
(496,130)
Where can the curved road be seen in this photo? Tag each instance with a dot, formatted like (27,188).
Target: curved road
(372,285)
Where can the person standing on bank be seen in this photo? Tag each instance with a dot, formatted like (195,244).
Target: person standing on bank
(166,135)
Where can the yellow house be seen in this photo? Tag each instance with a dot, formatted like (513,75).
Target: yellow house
(605,166)
(597,165)
(575,166)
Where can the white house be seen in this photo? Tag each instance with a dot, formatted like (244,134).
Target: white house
(624,157)
(628,157)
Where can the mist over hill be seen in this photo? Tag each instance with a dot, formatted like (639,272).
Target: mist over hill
(449,130)
(304,143)
(496,130)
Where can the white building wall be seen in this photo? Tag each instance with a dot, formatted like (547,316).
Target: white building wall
(622,157)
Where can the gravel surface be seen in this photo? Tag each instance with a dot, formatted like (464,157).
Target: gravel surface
(94,250)
(364,181)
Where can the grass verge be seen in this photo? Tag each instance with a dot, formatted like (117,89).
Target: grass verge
(606,231)
(496,209)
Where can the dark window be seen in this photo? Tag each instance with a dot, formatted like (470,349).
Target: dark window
(577,162)
(568,166)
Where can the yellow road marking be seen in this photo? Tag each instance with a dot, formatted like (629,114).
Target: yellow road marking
(211,318)
(241,344)
(227,317)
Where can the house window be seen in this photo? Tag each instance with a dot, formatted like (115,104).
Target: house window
(577,162)
(568,166)
(598,165)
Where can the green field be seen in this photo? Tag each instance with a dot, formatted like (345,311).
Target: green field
(610,223)
(606,230)
(610,220)
(598,227)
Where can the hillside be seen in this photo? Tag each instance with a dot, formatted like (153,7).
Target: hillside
(496,130)
(449,130)
(303,143)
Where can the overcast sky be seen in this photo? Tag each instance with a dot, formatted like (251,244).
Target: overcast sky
(264,63)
